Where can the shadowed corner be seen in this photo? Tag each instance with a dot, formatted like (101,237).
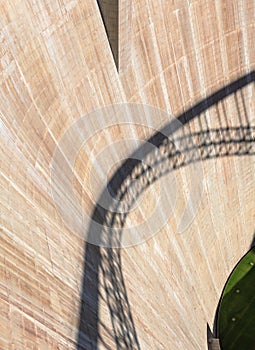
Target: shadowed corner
(253,241)
(109,11)
(108,261)
(212,342)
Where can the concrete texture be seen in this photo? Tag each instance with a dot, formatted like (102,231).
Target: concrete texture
(57,66)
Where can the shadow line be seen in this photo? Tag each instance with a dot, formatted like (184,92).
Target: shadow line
(211,143)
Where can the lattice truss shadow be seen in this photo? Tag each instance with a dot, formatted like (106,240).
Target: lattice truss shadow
(212,134)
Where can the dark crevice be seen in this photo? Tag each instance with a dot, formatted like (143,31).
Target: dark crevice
(109,10)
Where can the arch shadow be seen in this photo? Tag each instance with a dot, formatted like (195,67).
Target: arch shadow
(212,143)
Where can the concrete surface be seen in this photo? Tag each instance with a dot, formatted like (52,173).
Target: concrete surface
(57,66)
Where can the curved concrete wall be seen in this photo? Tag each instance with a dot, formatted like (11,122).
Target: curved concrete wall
(57,66)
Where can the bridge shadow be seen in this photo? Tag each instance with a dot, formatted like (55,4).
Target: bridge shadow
(106,262)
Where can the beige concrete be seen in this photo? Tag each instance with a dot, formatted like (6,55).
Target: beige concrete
(56,66)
